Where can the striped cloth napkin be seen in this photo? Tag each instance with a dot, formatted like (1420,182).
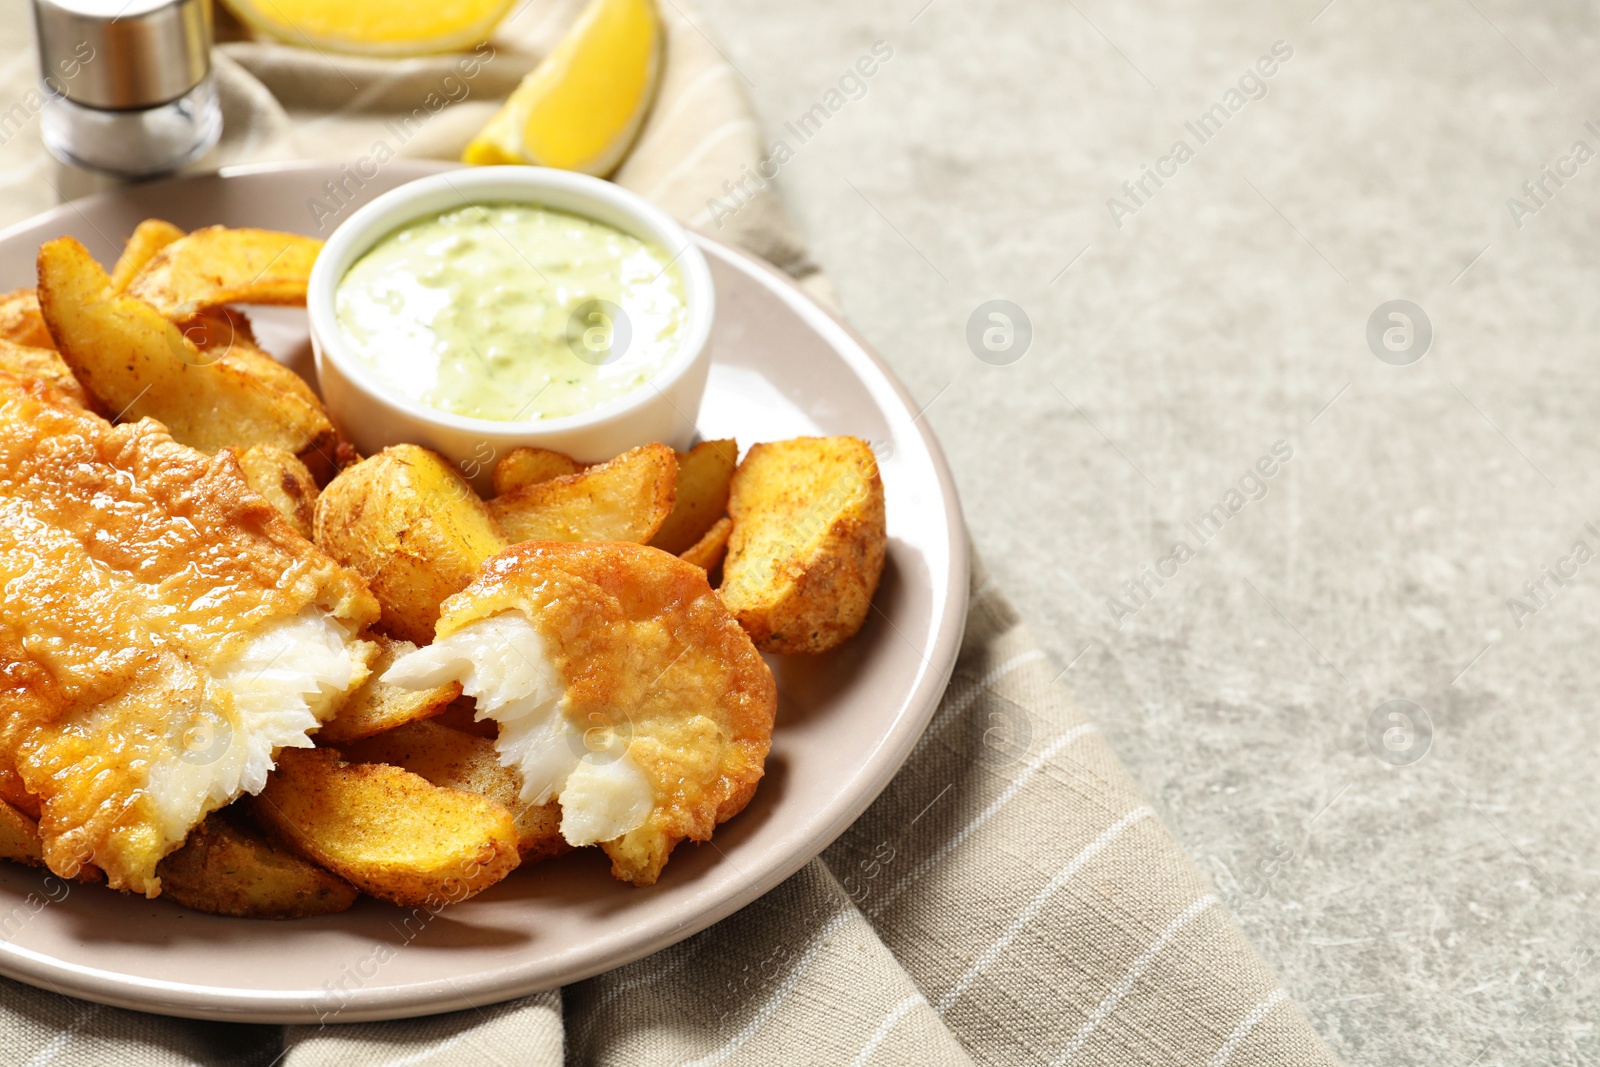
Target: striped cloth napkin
(1009,899)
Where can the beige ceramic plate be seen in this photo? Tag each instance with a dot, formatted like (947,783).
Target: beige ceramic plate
(846,720)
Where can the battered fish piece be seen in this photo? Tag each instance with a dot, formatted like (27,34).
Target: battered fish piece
(44,364)
(163,633)
(623,687)
(21,322)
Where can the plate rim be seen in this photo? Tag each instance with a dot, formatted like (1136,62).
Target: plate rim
(420,999)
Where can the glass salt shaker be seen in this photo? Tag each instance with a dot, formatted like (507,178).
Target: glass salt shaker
(127,84)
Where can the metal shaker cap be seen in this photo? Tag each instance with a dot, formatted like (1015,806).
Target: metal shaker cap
(122,54)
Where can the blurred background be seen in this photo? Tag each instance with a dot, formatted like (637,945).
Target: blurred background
(1430,912)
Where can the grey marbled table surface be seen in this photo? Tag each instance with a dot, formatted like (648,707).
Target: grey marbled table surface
(1425,897)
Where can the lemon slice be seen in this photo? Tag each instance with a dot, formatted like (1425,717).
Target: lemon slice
(581,108)
(374,27)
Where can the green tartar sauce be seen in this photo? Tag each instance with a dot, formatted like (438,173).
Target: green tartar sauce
(509,312)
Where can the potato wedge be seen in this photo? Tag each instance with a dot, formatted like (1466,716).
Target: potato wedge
(625,499)
(42,364)
(409,524)
(223,869)
(21,322)
(704,473)
(284,481)
(522,467)
(216,266)
(224,336)
(376,706)
(148,238)
(390,833)
(135,363)
(808,542)
(457,760)
(19,837)
(707,552)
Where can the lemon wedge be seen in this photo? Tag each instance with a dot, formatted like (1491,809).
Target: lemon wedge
(581,108)
(374,27)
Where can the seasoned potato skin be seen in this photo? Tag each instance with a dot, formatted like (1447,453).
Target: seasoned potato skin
(284,481)
(624,499)
(522,467)
(19,837)
(148,238)
(704,474)
(135,363)
(220,265)
(808,542)
(457,760)
(224,869)
(707,552)
(376,705)
(390,833)
(409,524)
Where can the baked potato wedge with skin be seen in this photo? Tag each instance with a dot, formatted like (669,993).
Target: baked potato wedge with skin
(43,364)
(217,265)
(223,869)
(378,706)
(624,499)
(707,552)
(21,322)
(284,481)
(704,473)
(148,238)
(522,467)
(19,836)
(410,525)
(224,336)
(457,760)
(135,363)
(390,833)
(808,542)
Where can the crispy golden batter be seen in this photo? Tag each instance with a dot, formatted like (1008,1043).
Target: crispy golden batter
(130,566)
(45,365)
(650,654)
(21,322)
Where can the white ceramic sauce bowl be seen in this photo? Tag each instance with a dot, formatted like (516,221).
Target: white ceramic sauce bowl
(664,409)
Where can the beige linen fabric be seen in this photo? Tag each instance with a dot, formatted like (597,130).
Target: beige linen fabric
(1009,899)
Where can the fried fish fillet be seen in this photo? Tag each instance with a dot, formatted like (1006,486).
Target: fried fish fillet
(623,687)
(163,633)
